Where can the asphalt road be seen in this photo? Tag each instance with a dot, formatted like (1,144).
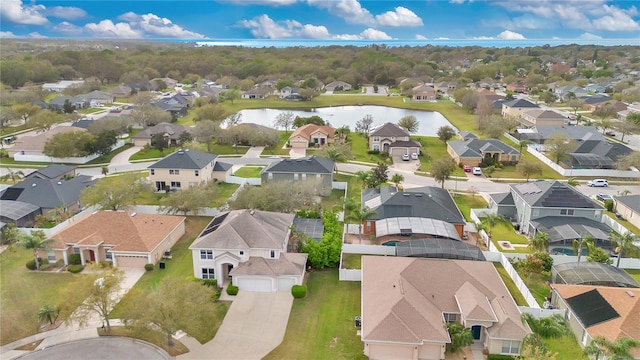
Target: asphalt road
(102,348)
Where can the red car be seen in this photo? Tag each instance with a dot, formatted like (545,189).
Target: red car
(466,168)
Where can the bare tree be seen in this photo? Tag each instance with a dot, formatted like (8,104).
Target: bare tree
(284,120)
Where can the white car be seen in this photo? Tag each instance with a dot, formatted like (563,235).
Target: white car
(476,171)
(405,157)
(414,156)
(598,183)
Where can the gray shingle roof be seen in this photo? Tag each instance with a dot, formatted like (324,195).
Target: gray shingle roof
(247,229)
(185,159)
(287,264)
(467,135)
(475,147)
(521,103)
(48,193)
(172,130)
(220,166)
(310,165)
(504,199)
(631,201)
(424,202)
(553,194)
(53,171)
(389,129)
(547,132)
(408,143)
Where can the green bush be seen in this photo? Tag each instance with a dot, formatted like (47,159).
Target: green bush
(31,264)
(105,264)
(373,152)
(74,259)
(547,260)
(149,267)
(499,357)
(74,268)
(609,205)
(210,282)
(232,290)
(216,296)
(299,291)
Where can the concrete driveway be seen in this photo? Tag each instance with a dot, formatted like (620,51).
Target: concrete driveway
(254,325)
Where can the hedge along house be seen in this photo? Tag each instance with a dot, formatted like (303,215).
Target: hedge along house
(126,239)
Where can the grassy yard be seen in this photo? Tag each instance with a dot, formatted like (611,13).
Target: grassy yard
(90,110)
(106,159)
(321,325)
(634,229)
(220,149)
(248,172)
(537,284)
(567,348)
(280,148)
(507,232)
(511,286)
(153,337)
(333,201)
(147,154)
(354,186)
(351,261)
(24,292)
(467,202)
(224,193)
(180,266)
(359,149)
(635,273)
(433,149)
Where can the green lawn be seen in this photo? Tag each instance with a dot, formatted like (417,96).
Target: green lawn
(90,110)
(153,337)
(147,154)
(511,286)
(566,347)
(219,149)
(433,149)
(280,148)
(23,292)
(507,232)
(467,202)
(321,325)
(248,172)
(537,284)
(333,201)
(226,190)
(354,186)
(635,273)
(634,229)
(106,159)
(351,261)
(359,149)
(180,266)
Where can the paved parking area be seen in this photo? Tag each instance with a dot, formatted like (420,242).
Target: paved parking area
(102,348)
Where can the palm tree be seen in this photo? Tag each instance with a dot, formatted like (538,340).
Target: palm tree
(36,242)
(359,215)
(492,220)
(48,313)
(625,192)
(540,242)
(524,143)
(550,327)
(578,244)
(349,204)
(624,244)
(397,179)
(612,350)
(364,177)
(13,175)
(342,132)
(334,154)
(460,336)
(573,182)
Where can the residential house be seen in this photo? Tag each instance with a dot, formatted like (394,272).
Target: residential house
(445,87)
(125,239)
(257,93)
(597,88)
(488,95)
(49,194)
(312,135)
(592,311)
(120,91)
(268,83)
(177,105)
(617,105)
(221,171)
(563,91)
(467,135)
(97,98)
(170,132)
(405,213)
(518,87)
(406,303)
(516,107)
(34,144)
(592,102)
(142,86)
(169,82)
(535,117)
(540,134)
(53,172)
(628,206)
(596,154)
(182,168)
(289,92)
(311,168)
(57,103)
(474,152)
(392,138)
(249,249)
(552,207)
(337,86)
(423,92)
(60,86)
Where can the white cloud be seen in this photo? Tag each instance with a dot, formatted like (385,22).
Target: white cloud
(441,38)
(14,11)
(420,37)
(510,35)
(616,20)
(368,34)
(266,28)
(400,17)
(483,38)
(261,2)
(156,26)
(7,35)
(456,1)
(107,29)
(589,36)
(10,35)
(68,28)
(35,35)
(350,10)
(66,12)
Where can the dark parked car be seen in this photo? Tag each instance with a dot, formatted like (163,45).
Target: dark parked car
(603,197)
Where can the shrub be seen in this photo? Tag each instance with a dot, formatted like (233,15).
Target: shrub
(384,154)
(149,267)
(609,205)
(373,152)
(31,264)
(74,268)
(232,290)
(299,291)
(210,282)
(547,260)
(105,264)
(74,259)
(216,296)
(499,357)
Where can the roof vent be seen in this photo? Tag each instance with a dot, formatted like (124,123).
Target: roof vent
(419,194)
(406,194)
(133,214)
(33,185)
(631,294)
(59,182)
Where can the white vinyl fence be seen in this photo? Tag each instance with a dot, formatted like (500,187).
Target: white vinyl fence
(356,274)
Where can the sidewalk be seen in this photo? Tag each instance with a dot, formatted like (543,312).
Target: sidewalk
(253,152)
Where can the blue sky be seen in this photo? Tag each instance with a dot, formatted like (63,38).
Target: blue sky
(322,19)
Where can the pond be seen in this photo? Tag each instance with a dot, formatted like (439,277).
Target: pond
(337,116)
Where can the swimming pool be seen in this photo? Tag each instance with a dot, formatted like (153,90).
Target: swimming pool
(567,251)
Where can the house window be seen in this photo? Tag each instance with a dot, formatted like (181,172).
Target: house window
(197,172)
(241,252)
(206,254)
(152,171)
(107,254)
(295,177)
(174,172)
(567,212)
(176,184)
(450,318)
(76,250)
(208,273)
(376,147)
(270,176)
(393,138)
(318,176)
(272,254)
(304,176)
(51,256)
(376,139)
(510,347)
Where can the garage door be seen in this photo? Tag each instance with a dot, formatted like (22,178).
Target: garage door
(252,284)
(131,261)
(285,284)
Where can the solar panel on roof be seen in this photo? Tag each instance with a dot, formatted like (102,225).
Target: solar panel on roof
(591,308)
(11,194)
(214,224)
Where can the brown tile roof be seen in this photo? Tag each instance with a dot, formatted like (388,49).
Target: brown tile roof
(287,264)
(306,131)
(403,299)
(121,230)
(626,325)
(36,142)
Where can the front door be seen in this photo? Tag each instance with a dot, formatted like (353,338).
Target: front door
(229,267)
(92,255)
(476,331)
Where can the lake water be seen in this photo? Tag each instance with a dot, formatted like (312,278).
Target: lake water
(338,116)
